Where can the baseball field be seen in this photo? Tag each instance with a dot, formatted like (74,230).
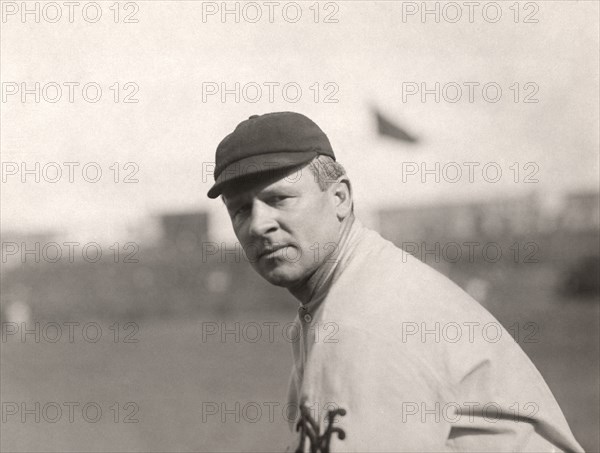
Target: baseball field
(183,387)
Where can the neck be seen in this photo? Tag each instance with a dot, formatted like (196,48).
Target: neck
(311,286)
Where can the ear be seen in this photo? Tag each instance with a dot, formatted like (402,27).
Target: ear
(342,193)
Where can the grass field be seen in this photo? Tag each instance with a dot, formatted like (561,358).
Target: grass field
(171,374)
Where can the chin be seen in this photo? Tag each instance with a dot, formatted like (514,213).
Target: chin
(283,275)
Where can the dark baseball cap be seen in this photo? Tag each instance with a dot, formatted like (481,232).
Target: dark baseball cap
(267,143)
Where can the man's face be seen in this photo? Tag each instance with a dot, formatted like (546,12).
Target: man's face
(286,225)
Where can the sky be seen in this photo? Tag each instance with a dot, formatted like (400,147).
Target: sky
(373,55)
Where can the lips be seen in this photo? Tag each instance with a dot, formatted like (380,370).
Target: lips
(266,252)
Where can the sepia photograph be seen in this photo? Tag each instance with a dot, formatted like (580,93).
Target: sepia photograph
(299,226)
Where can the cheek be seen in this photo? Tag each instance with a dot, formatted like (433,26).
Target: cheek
(321,227)
(240,231)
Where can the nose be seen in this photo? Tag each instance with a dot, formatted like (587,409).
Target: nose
(262,220)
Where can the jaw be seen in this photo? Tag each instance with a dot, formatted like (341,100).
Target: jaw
(277,273)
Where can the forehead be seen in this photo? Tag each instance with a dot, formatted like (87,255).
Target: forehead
(297,180)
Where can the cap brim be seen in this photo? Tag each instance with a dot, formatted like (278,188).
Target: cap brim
(254,166)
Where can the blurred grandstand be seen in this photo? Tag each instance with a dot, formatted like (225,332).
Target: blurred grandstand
(552,245)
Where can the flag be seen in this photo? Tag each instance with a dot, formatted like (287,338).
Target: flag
(387,128)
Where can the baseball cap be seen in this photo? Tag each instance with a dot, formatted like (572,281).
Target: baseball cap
(267,143)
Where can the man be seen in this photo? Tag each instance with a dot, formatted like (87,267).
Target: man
(416,364)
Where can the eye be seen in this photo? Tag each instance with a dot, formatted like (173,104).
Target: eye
(237,212)
(278,199)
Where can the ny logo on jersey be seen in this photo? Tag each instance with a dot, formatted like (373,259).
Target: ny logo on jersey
(308,427)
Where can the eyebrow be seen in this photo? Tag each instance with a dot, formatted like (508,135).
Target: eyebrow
(243,196)
(270,191)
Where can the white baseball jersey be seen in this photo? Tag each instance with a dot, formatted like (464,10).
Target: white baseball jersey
(393,356)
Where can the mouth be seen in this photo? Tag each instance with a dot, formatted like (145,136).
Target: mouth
(270,252)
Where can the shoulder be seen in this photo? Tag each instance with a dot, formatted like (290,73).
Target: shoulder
(383,277)
(386,295)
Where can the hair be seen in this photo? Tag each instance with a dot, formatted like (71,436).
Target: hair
(326,170)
